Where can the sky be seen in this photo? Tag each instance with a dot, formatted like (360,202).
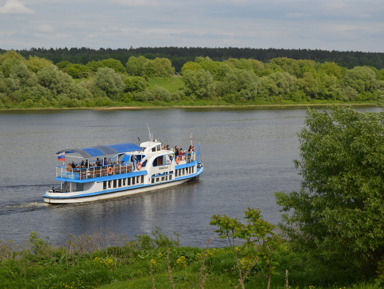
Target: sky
(342,25)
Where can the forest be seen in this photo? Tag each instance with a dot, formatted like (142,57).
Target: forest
(180,55)
(31,81)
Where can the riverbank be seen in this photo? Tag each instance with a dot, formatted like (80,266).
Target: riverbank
(151,261)
(200,106)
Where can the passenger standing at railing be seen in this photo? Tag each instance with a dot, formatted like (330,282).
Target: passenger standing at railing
(105,161)
(133,160)
(190,152)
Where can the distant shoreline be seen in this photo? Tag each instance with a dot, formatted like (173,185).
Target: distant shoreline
(224,106)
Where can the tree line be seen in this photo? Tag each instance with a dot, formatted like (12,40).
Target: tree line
(34,81)
(180,55)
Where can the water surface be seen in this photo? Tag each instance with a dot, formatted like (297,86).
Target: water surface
(248,155)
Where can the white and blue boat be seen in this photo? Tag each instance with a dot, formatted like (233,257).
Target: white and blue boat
(111,171)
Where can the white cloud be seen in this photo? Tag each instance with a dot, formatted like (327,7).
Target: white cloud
(14,7)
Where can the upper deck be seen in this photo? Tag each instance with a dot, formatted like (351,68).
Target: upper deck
(79,172)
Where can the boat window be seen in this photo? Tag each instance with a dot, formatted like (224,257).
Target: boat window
(144,163)
(104,185)
(159,161)
(80,187)
(133,180)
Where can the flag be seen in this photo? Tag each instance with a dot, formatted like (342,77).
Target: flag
(61,157)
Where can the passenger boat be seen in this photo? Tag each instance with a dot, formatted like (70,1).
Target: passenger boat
(111,171)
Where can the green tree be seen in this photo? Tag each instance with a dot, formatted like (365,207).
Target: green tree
(58,82)
(363,79)
(337,216)
(134,83)
(78,71)
(332,68)
(136,65)
(191,65)
(115,64)
(159,67)
(8,62)
(239,85)
(276,86)
(258,243)
(109,82)
(198,83)
(35,64)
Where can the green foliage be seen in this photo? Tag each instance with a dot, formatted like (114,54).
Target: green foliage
(134,83)
(159,67)
(151,79)
(108,81)
(239,85)
(136,65)
(35,64)
(260,244)
(77,71)
(336,219)
(199,83)
(362,79)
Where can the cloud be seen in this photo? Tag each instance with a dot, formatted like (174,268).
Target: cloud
(15,7)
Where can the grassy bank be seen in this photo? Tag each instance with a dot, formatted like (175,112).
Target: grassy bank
(206,105)
(112,261)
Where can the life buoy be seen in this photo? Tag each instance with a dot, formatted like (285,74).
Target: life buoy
(177,160)
(138,166)
(110,170)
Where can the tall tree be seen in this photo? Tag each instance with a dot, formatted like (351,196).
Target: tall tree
(198,83)
(337,217)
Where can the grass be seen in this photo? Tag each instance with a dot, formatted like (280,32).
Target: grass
(172,84)
(111,261)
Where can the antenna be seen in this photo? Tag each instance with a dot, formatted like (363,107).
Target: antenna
(149,133)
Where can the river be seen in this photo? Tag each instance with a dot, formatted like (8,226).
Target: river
(248,155)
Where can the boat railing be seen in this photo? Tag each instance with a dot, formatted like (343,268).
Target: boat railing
(186,157)
(66,172)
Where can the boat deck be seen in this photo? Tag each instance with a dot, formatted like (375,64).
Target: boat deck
(92,172)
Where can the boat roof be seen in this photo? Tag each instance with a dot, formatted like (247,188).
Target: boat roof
(103,150)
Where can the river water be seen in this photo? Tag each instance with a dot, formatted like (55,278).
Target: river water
(248,155)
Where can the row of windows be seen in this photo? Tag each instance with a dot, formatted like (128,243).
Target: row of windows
(161,179)
(123,182)
(184,171)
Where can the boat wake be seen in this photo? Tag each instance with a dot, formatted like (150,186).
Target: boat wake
(10,209)
(33,205)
